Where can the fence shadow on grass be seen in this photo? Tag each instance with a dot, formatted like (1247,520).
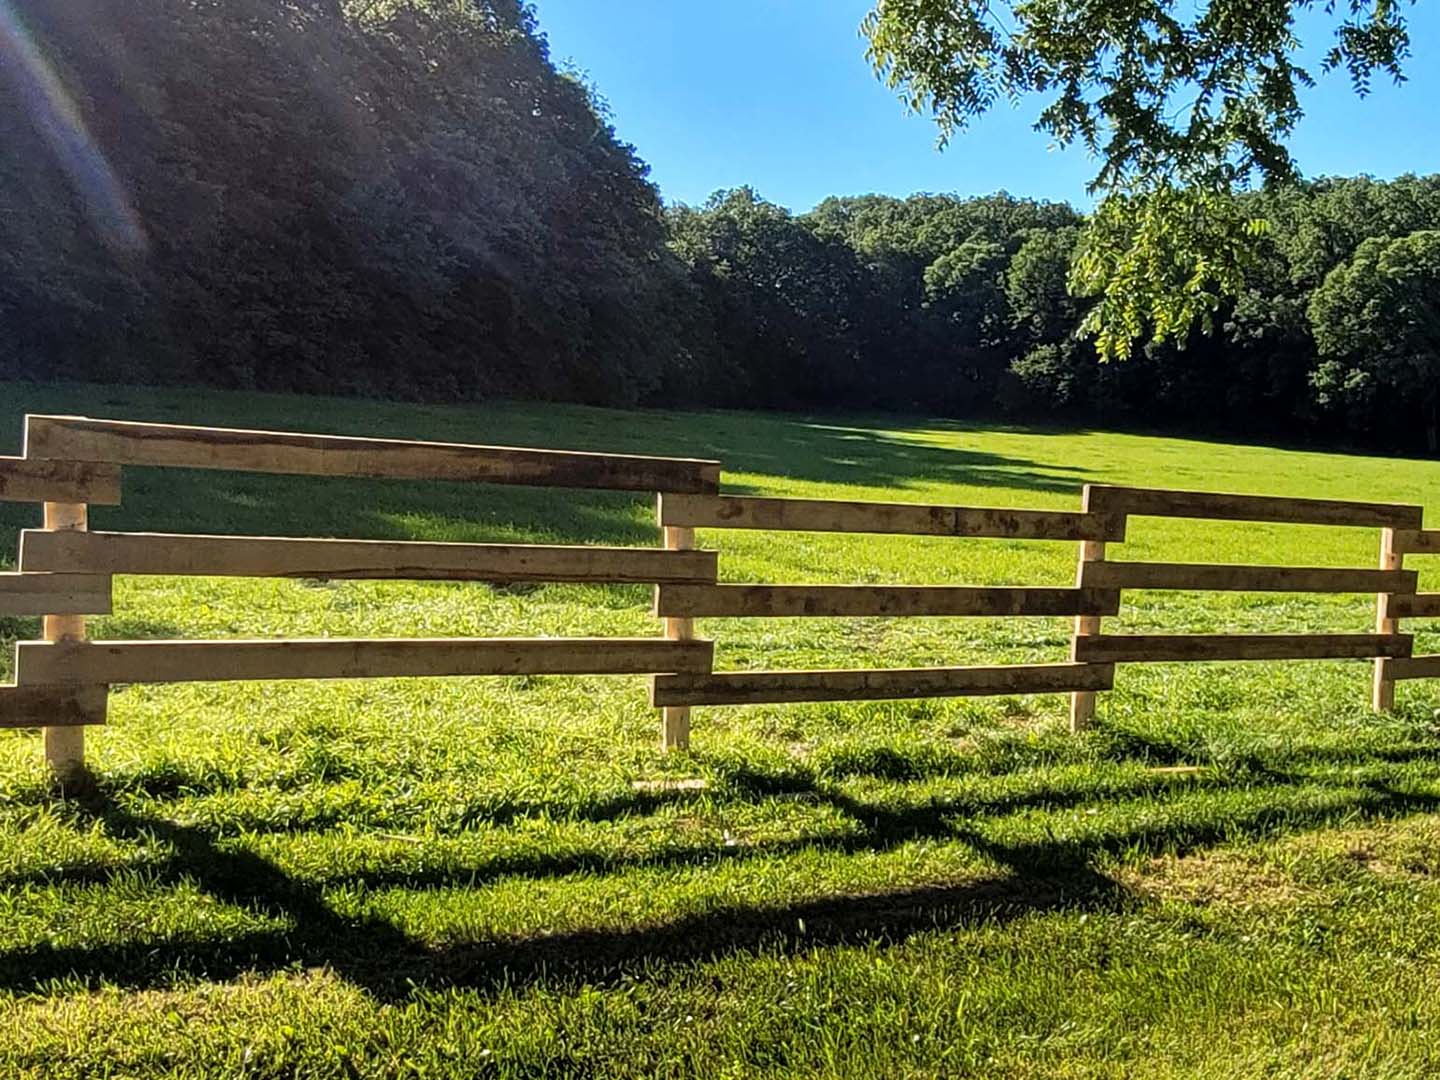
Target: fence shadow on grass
(375,955)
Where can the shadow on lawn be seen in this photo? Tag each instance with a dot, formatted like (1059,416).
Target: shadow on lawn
(375,955)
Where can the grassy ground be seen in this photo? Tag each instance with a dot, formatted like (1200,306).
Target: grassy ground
(461,878)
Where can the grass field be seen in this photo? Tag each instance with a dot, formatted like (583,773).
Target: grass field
(461,878)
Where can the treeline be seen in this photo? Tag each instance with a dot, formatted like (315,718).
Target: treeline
(370,197)
(960,306)
(405,198)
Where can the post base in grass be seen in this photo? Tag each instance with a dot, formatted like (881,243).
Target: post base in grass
(65,755)
(675,734)
(1383,695)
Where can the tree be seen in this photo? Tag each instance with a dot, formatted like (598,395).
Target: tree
(1181,105)
(401,197)
(1376,321)
(782,302)
(1041,305)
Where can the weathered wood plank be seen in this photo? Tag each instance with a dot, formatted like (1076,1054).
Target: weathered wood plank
(1082,702)
(268,556)
(1417,541)
(704,601)
(779,687)
(1413,606)
(1114,648)
(65,744)
(32,480)
(73,663)
(1413,667)
(52,706)
(1220,578)
(1157,502)
(675,719)
(1382,687)
(54,594)
(826,515)
(125,442)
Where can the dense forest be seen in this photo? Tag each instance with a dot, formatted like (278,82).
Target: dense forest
(406,198)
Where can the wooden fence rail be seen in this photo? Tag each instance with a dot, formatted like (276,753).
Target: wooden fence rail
(120,442)
(693,601)
(103,553)
(65,572)
(54,594)
(902,519)
(89,663)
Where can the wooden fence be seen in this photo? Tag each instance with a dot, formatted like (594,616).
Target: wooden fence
(65,573)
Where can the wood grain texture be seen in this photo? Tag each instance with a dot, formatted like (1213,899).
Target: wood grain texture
(124,442)
(1413,606)
(1082,702)
(54,594)
(675,719)
(704,601)
(826,515)
(779,687)
(1157,502)
(1413,667)
(264,556)
(32,480)
(1417,541)
(1114,648)
(52,706)
(1382,686)
(64,744)
(1222,578)
(75,663)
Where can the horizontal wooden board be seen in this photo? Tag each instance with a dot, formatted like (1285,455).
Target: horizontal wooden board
(52,706)
(1212,577)
(54,594)
(125,442)
(826,515)
(1413,606)
(1113,648)
(265,556)
(779,687)
(83,662)
(672,601)
(1412,667)
(33,480)
(1158,502)
(1417,541)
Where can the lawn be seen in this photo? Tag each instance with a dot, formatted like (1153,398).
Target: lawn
(470,877)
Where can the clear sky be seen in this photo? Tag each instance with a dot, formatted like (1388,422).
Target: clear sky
(777,94)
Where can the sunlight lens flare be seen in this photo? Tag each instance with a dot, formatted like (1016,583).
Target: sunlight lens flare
(39,92)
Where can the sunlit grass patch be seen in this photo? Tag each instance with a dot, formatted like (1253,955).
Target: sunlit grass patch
(1232,874)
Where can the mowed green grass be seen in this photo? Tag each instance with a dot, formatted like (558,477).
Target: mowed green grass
(505,877)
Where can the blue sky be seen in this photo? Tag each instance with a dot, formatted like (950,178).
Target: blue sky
(777,94)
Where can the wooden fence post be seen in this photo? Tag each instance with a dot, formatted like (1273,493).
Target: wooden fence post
(65,746)
(1082,702)
(675,725)
(1383,695)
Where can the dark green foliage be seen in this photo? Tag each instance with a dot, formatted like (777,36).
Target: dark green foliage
(1180,104)
(963,306)
(1202,95)
(412,204)
(1376,320)
(405,199)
